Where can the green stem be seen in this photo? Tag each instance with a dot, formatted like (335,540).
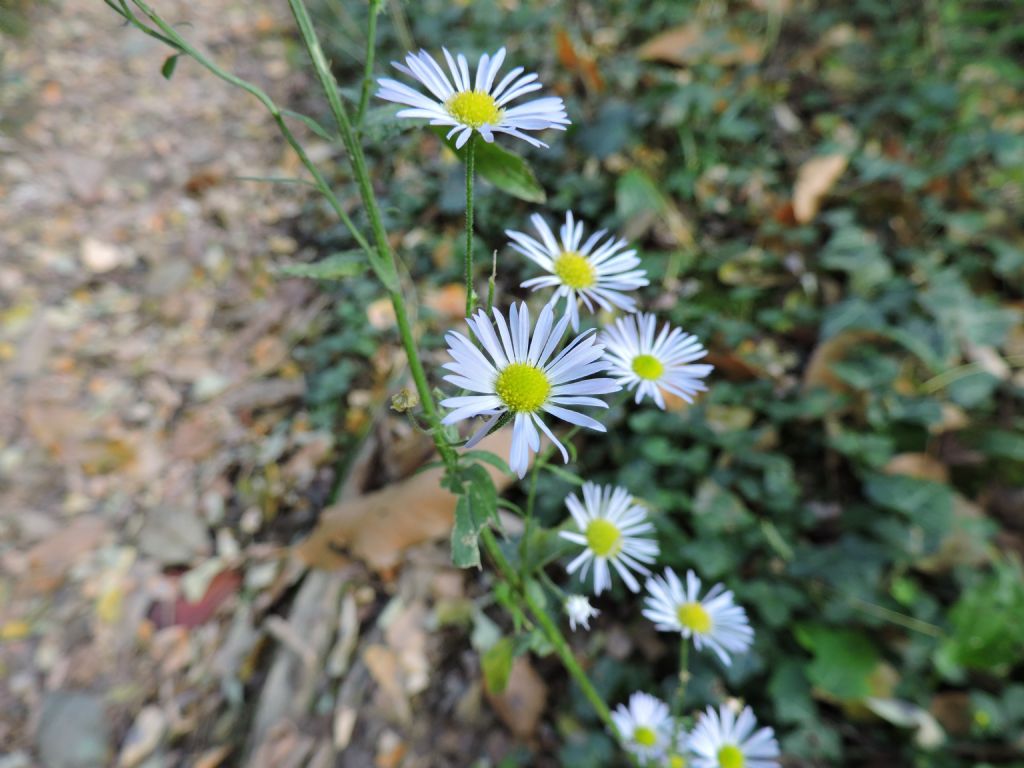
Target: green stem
(470,172)
(550,629)
(684,678)
(385,253)
(169,35)
(371,48)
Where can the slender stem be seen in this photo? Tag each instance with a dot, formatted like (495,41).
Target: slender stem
(550,629)
(371,48)
(171,37)
(490,281)
(359,169)
(470,172)
(684,679)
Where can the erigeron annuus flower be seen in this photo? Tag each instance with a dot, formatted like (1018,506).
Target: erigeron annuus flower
(522,377)
(723,740)
(654,365)
(474,104)
(645,725)
(610,530)
(581,271)
(714,621)
(580,611)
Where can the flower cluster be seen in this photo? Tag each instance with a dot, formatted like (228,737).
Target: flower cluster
(511,371)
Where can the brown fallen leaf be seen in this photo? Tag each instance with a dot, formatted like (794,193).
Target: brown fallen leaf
(582,64)
(818,372)
(814,180)
(378,527)
(49,561)
(522,702)
(693,42)
(919,465)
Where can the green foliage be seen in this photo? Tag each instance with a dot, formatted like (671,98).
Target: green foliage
(505,170)
(476,507)
(496,663)
(858,457)
(843,661)
(986,628)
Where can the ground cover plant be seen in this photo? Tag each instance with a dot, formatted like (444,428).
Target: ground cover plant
(829,199)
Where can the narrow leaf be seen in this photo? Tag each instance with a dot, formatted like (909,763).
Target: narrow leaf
(310,123)
(337,266)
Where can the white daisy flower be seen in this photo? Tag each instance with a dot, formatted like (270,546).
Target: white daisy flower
(645,726)
(521,378)
(714,621)
(580,611)
(723,740)
(582,271)
(652,365)
(610,532)
(473,104)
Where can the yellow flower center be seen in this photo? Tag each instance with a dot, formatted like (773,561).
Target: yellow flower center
(603,537)
(575,271)
(694,617)
(648,367)
(522,387)
(730,756)
(474,108)
(676,761)
(644,736)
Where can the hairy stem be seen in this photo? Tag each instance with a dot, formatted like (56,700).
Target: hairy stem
(371,50)
(385,253)
(470,172)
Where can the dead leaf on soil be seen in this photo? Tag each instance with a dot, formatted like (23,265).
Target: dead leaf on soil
(582,64)
(522,702)
(919,465)
(49,561)
(818,372)
(378,527)
(814,181)
(691,43)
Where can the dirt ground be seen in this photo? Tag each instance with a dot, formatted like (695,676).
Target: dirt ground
(153,444)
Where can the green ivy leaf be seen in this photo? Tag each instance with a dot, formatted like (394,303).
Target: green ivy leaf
(477,505)
(505,170)
(987,632)
(843,661)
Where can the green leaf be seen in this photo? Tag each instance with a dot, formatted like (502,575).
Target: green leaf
(987,632)
(337,266)
(636,194)
(489,458)
(477,504)
(496,663)
(507,171)
(843,661)
(310,123)
(169,65)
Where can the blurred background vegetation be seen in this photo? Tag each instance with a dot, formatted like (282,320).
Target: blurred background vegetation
(831,195)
